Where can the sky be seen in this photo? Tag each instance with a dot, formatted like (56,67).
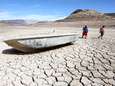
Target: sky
(49,9)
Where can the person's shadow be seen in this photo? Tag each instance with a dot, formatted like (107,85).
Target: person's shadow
(80,37)
(17,52)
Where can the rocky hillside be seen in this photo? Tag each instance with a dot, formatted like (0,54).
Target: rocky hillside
(81,15)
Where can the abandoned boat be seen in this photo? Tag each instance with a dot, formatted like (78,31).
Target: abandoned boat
(35,43)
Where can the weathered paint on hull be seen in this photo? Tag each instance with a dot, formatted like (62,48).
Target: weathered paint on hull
(33,44)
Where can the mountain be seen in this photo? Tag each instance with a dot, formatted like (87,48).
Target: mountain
(110,14)
(84,15)
(14,22)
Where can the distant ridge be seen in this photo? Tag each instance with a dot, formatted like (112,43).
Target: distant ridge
(13,22)
(76,18)
(84,15)
(110,14)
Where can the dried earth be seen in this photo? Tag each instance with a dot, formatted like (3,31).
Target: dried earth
(89,62)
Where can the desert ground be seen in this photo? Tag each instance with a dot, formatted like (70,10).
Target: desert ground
(88,62)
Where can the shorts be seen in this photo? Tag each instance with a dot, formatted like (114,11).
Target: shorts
(85,33)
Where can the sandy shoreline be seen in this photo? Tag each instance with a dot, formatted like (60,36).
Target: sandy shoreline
(89,62)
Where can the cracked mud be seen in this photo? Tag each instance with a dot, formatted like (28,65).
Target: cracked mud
(88,62)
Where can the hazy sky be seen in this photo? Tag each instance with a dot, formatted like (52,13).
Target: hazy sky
(50,9)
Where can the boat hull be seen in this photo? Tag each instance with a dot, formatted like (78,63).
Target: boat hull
(35,43)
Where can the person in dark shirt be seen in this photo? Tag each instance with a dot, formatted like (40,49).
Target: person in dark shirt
(85,31)
(101,31)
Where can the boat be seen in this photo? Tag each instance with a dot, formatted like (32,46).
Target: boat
(32,44)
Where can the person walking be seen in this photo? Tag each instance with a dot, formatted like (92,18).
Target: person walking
(101,31)
(85,31)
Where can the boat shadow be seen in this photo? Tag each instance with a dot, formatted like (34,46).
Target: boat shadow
(16,52)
